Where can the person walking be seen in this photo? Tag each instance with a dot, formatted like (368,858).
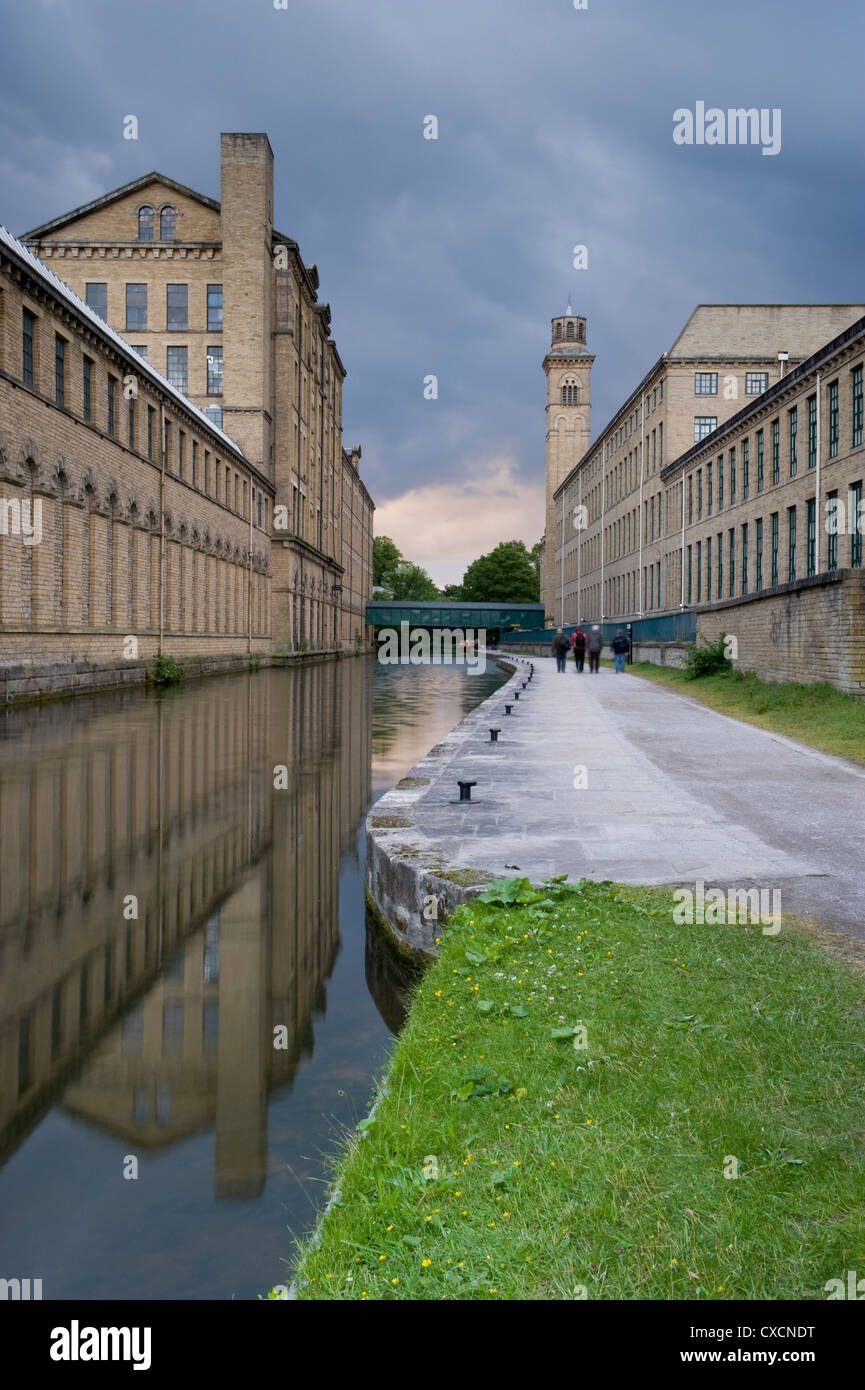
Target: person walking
(578,643)
(594,644)
(561,647)
(620,645)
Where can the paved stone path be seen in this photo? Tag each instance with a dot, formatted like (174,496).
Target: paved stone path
(673,793)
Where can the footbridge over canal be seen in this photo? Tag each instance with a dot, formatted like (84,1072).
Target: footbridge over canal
(491,617)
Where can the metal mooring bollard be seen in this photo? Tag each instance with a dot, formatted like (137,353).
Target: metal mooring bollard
(516,694)
(525,683)
(466,790)
(494,735)
(508,709)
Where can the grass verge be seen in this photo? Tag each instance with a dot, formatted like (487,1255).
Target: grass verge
(819,715)
(514,1156)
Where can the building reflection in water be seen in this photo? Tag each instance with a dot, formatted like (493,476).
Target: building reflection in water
(163,909)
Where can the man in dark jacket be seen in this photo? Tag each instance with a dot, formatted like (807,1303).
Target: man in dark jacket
(620,645)
(594,643)
(578,643)
(561,647)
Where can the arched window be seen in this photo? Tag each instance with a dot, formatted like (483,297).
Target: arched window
(558,331)
(569,331)
(570,393)
(145,223)
(168,224)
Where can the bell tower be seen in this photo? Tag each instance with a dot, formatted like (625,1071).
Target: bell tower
(568,368)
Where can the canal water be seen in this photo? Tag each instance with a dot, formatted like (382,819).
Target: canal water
(192,1009)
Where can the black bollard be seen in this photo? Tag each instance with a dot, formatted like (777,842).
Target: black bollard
(508,709)
(494,735)
(516,694)
(466,790)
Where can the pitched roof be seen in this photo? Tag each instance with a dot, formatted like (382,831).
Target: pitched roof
(153,177)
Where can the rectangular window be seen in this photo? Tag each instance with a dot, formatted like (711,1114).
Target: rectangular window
(86,381)
(812,431)
(177,367)
(833,419)
(699,571)
(689,575)
(732,477)
(177,308)
(131,422)
(759,460)
(136,308)
(28,334)
(96,298)
(744,557)
(746,468)
(721,483)
(661,436)
(776,451)
(709,569)
(705,383)
(704,425)
(150,431)
(709,489)
(791,544)
(214,415)
(181,440)
(811,534)
(690,498)
(140,349)
(793,423)
(774,577)
(832,528)
(59,369)
(214,371)
(856,522)
(214,308)
(758,555)
(857,406)
(112,400)
(731,548)
(699,494)
(756,382)
(720,564)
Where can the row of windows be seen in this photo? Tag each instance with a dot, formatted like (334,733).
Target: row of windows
(706,383)
(726,585)
(177,371)
(715,473)
(176,306)
(227,487)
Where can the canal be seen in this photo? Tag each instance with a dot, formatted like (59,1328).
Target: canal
(192,1008)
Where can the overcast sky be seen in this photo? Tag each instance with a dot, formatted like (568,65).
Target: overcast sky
(449,257)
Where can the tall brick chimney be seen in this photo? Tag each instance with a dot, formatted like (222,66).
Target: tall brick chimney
(248,299)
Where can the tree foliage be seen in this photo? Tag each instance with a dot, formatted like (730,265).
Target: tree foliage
(505,575)
(409,581)
(386,556)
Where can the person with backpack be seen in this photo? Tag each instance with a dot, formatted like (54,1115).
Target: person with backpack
(578,645)
(594,644)
(621,647)
(561,647)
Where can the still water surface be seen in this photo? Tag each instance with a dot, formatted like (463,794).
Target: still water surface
(162,911)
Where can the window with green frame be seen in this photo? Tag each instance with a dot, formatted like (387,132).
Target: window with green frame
(832,528)
(732,476)
(791,544)
(811,535)
(720,482)
(689,575)
(746,468)
(857,406)
(775,520)
(690,498)
(856,523)
(699,494)
(731,582)
(759,460)
(720,564)
(709,569)
(833,419)
(812,431)
(792,430)
(709,489)
(699,571)
(776,451)
(758,554)
(744,557)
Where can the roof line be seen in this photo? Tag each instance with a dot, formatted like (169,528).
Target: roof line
(38,232)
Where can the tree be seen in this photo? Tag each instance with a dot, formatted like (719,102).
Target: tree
(535,557)
(411,582)
(506,575)
(385,558)
(454,592)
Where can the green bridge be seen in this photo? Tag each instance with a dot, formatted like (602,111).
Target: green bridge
(390,613)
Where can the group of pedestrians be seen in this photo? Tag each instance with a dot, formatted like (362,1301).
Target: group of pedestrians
(582,643)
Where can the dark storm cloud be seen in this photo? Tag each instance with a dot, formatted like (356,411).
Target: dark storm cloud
(450,257)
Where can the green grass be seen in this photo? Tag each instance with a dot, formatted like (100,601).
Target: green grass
(819,715)
(603,1168)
